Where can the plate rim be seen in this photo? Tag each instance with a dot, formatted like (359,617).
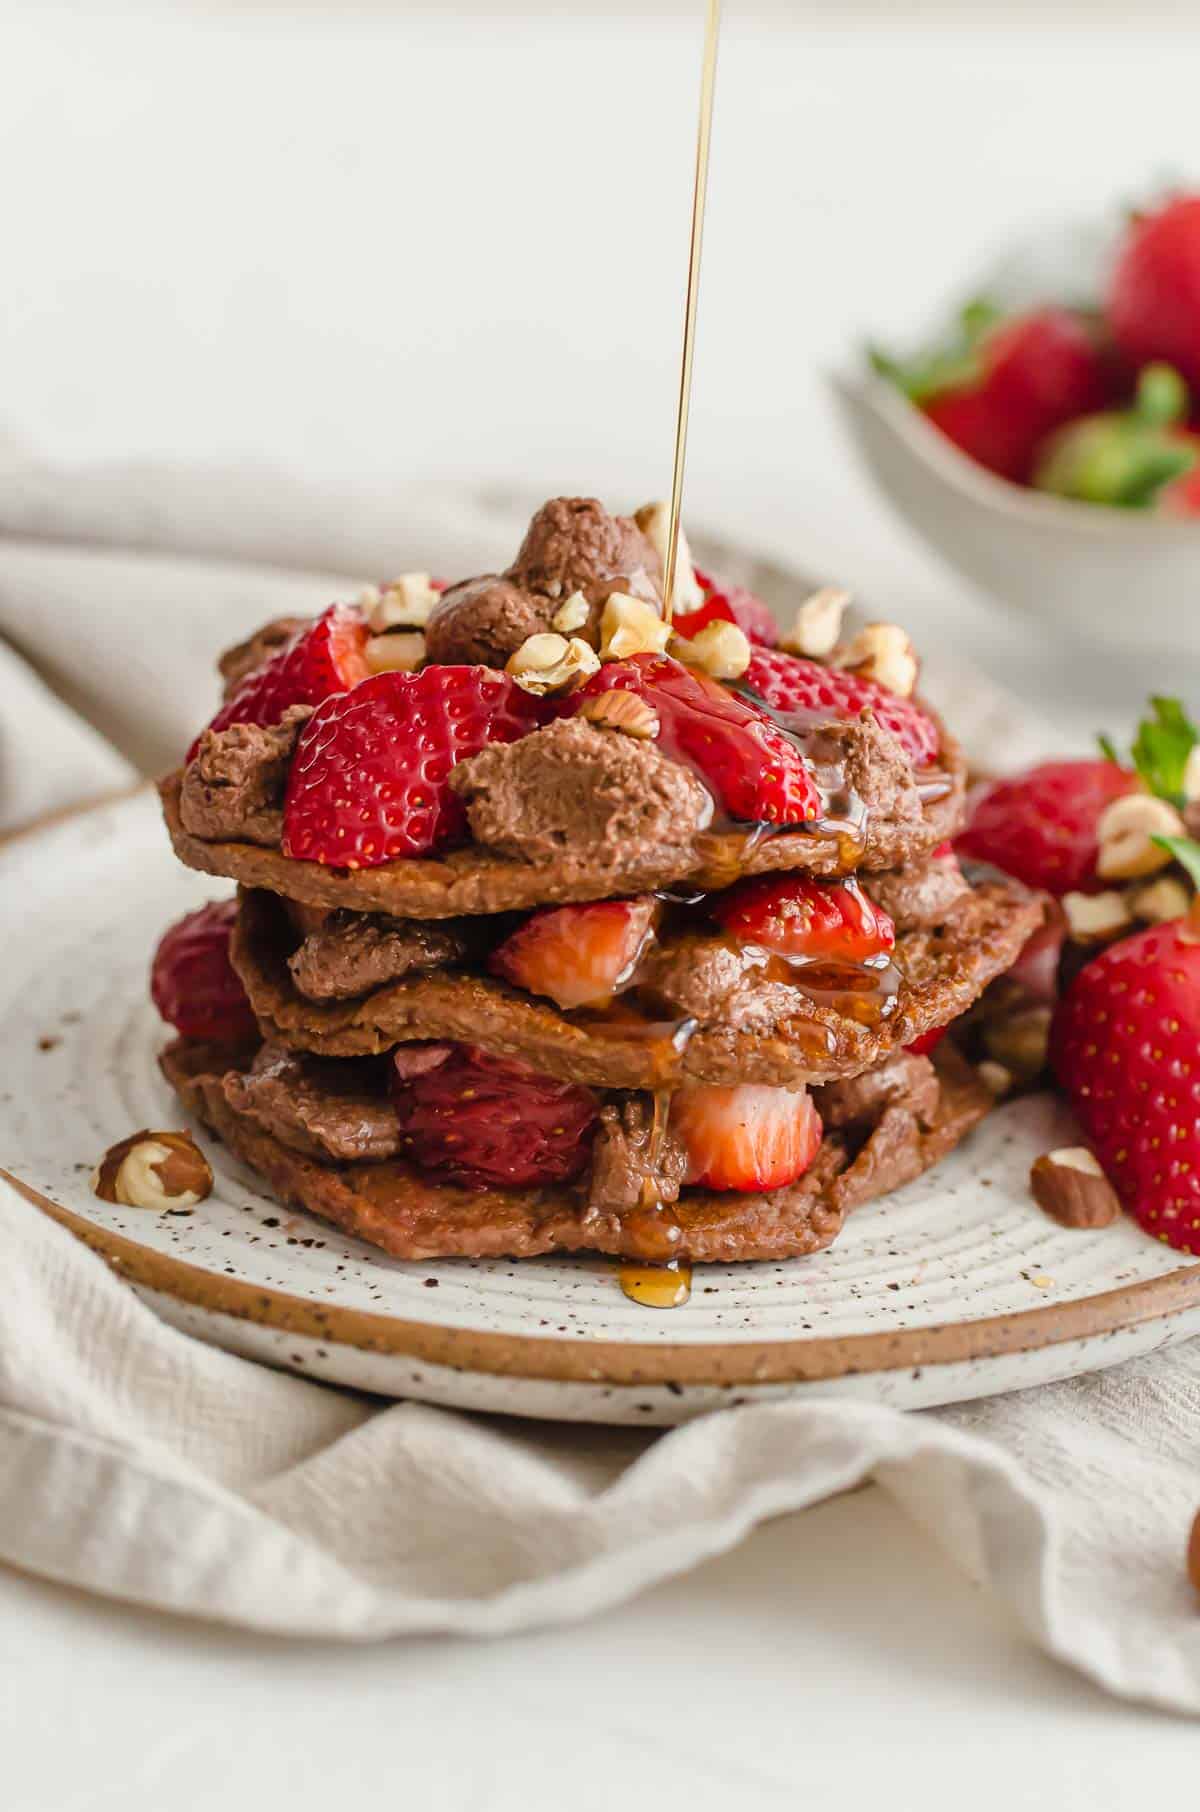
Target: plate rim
(608,1362)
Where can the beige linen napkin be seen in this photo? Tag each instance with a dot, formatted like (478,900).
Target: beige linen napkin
(137,1462)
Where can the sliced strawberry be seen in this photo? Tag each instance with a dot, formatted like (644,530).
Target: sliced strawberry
(1040,826)
(370,779)
(578,955)
(729,604)
(791,685)
(325,658)
(750,1137)
(800,919)
(193,983)
(756,774)
(928,1042)
(481,1121)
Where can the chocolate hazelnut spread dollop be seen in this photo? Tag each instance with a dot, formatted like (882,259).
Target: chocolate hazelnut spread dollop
(482,621)
(573,544)
(235,786)
(352,952)
(571,788)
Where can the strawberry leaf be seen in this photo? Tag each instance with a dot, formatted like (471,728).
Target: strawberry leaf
(1162,746)
(1186,852)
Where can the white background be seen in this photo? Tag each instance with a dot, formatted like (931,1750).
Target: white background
(386,241)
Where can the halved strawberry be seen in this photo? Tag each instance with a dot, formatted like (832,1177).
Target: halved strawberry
(578,955)
(756,774)
(750,1137)
(729,604)
(791,685)
(481,1120)
(325,658)
(193,983)
(370,780)
(800,918)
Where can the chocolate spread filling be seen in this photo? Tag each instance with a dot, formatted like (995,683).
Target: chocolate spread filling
(337,1110)
(573,787)
(352,952)
(235,785)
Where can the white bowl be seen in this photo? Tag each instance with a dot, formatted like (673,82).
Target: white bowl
(1128,579)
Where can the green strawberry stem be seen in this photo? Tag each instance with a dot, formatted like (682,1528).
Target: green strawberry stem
(955,365)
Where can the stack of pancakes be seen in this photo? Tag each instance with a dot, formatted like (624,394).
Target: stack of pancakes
(361,977)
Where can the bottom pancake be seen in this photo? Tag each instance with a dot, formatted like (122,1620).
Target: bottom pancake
(881,1131)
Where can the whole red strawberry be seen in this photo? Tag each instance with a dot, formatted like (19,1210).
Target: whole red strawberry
(755,773)
(805,920)
(1154,296)
(325,658)
(789,684)
(728,604)
(1124,1046)
(1007,382)
(1040,826)
(482,1120)
(370,780)
(193,983)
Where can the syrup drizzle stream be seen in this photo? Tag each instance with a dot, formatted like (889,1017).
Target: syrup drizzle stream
(699,192)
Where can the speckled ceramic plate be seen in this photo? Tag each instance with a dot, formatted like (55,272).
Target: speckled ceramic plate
(956,1286)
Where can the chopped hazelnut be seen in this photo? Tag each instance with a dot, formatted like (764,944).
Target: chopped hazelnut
(1092,918)
(571,615)
(1071,1187)
(721,650)
(159,1170)
(628,712)
(882,652)
(551,663)
(404,604)
(402,651)
(1158,901)
(1125,830)
(654,520)
(995,1078)
(818,624)
(631,626)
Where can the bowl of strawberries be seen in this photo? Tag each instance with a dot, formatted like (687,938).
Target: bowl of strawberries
(1050,449)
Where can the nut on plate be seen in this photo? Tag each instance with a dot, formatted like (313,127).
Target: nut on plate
(721,650)
(159,1170)
(883,652)
(628,712)
(654,520)
(1125,830)
(1072,1189)
(818,625)
(630,625)
(550,663)
(399,651)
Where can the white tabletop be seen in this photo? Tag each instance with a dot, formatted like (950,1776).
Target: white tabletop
(426,242)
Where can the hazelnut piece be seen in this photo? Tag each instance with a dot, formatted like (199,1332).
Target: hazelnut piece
(550,663)
(571,615)
(1072,1189)
(654,520)
(631,626)
(159,1170)
(1158,901)
(1125,830)
(1093,918)
(628,712)
(404,604)
(721,650)
(882,652)
(401,651)
(1020,1041)
(818,624)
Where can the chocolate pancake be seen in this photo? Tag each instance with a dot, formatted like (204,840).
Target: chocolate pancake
(709,1010)
(875,1142)
(475,879)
